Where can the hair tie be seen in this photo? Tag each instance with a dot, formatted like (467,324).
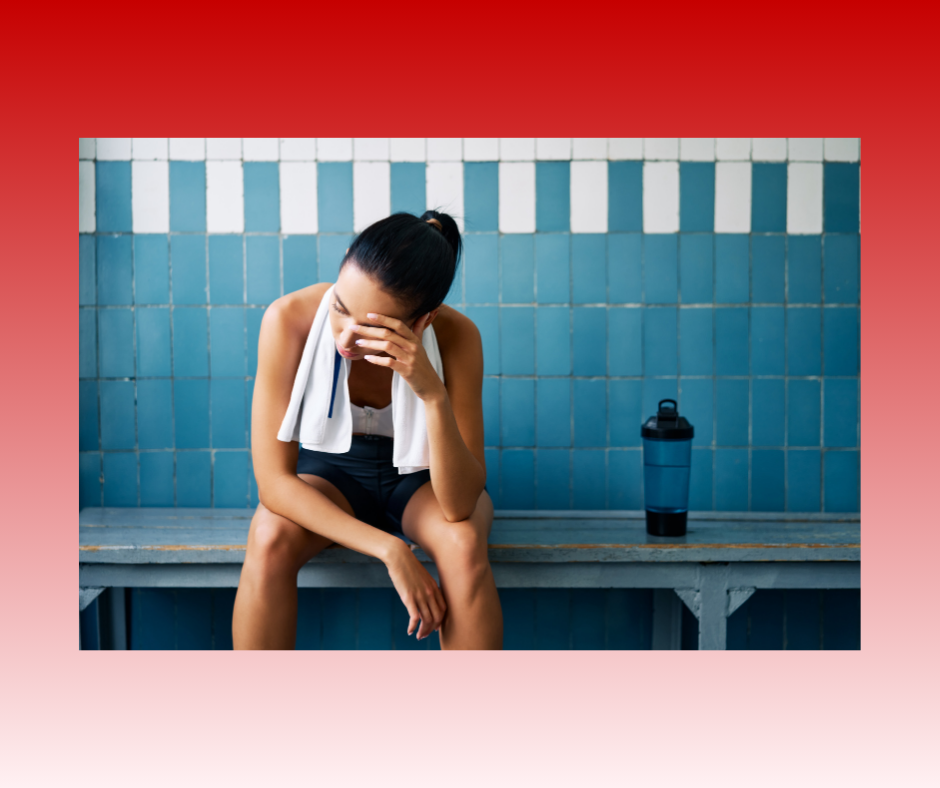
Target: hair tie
(436,223)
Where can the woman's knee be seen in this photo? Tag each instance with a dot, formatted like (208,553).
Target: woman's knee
(464,549)
(275,543)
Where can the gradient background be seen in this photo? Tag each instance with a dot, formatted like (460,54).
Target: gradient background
(849,718)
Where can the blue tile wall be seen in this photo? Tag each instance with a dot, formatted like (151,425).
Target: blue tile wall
(768,198)
(552,196)
(625,268)
(187,196)
(625,196)
(262,202)
(226,269)
(696,196)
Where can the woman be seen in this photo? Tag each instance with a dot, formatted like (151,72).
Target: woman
(390,289)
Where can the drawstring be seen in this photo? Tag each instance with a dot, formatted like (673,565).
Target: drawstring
(337,360)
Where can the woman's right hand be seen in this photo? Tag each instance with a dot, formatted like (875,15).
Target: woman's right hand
(418,591)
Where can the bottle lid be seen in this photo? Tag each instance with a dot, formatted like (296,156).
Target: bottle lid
(667,424)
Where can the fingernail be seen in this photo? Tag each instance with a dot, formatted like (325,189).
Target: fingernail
(372,315)
(358,341)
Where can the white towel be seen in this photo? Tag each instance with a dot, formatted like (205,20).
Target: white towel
(323,375)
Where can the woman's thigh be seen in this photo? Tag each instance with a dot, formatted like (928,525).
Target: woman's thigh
(423,522)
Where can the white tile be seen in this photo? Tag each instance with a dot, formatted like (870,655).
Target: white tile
(149,149)
(226,148)
(298,196)
(260,148)
(407,149)
(733,148)
(517,149)
(517,197)
(661,148)
(697,149)
(86,147)
(150,196)
(842,148)
(553,148)
(589,196)
(589,148)
(661,197)
(86,196)
(370,149)
(187,148)
(298,149)
(804,198)
(733,197)
(481,149)
(805,149)
(769,149)
(445,148)
(621,148)
(225,197)
(372,193)
(334,148)
(114,149)
(445,189)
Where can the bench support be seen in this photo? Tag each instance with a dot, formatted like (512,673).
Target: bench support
(712,600)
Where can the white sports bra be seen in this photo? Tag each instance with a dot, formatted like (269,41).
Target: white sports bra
(373,421)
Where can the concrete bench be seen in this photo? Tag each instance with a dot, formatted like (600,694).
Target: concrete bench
(722,560)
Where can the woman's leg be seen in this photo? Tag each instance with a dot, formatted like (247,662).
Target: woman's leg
(474,618)
(265,615)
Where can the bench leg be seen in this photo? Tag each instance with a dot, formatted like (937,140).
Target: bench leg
(667,620)
(712,602)
(85,597)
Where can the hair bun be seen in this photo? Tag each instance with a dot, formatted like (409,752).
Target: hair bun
(448,227)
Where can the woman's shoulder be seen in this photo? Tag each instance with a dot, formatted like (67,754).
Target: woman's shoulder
(454,329)
(294,312)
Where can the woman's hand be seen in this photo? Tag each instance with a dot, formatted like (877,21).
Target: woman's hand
(418,591)
(406,354)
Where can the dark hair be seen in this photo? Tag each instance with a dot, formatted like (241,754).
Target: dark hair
(410,257)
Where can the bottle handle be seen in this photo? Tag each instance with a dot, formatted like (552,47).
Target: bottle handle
(668,413)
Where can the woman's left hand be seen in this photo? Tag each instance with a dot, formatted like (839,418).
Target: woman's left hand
(406,354)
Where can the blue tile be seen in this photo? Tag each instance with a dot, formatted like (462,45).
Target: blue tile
(252,482)
(804,342)
(625,332)
(625,483)
(804,269)
(517,340)
(263,269)
(696,268)
(480,195)
(188,261)
(226,269)
(625,268)
(731,413)
(335,197)
(88,415)
(768,198)
(89,480)
(841,340)
(155,414)
(732,282)
(486,319)
(731,480)
(629,618)
(491,411)
(408,187)
(518,479)
(87,343)
(803,413)
(117,414)
(253,319)
(153,342)
(767,340)
(191,405)
(589,268)
(492,457)
(589,483)
(87,287)
(190,342)
(731,328)
(332,251)
(696,196)
(249,396)
(768,409)
(803,481)
(230,479)
(120,479)
(768,256)
(229,420)
(194,619)
(590,341)
(655,390)
(842,481)
(481,264)
(590,413)
(113,197)
(626,415)
(697,404)
(696,342)
(701,480)
(262,201)
(300,261)
(554,340)
(660,341)
(552,196)
(374,620)
(552,618)
(227,338)
(553,268)
(517,268)
(554,479)
(840,413)
(116,343)
(187,196)
(554,411)
(767,480)
(625,196)
(115,270)
(193,474)
(843,264)
(661,268)
(840,197)
(151,269)
(517,414)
